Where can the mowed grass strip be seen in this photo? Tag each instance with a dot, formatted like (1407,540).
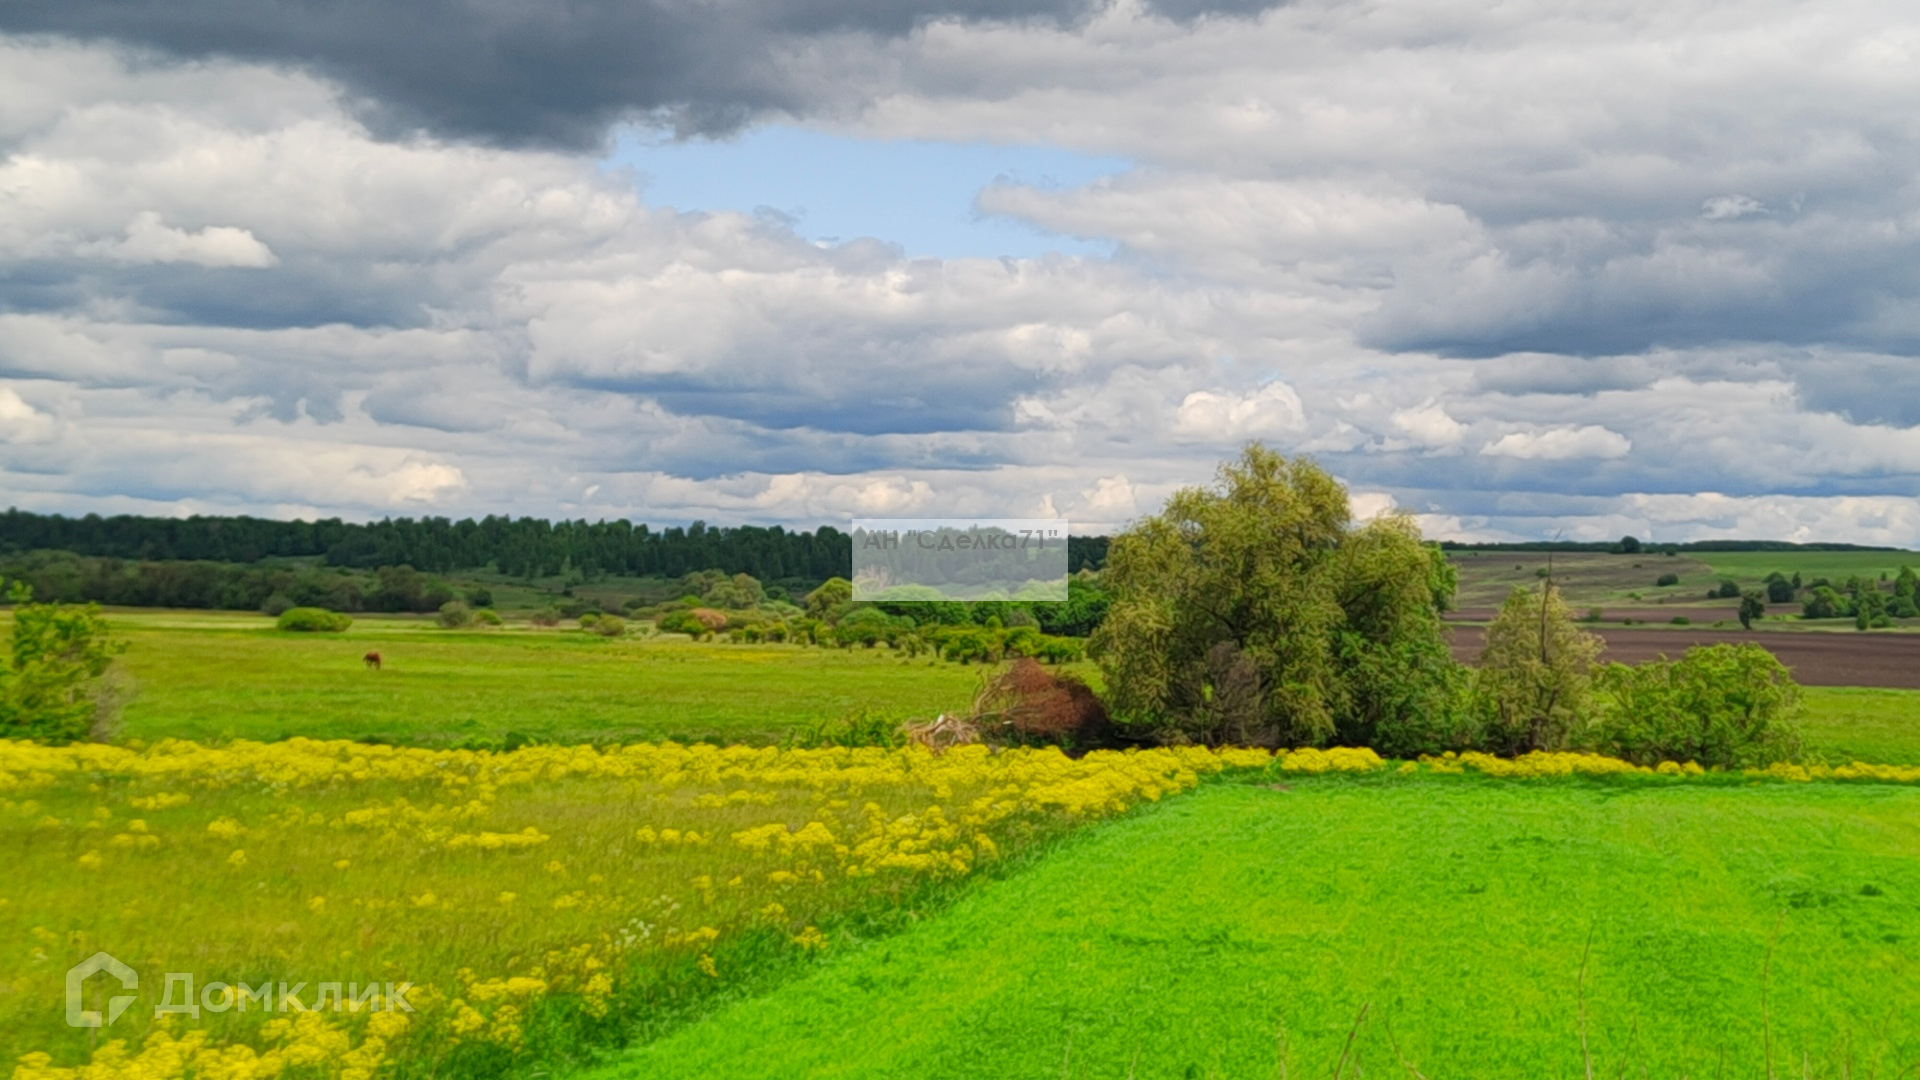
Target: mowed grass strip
(205,675)
(1222,932)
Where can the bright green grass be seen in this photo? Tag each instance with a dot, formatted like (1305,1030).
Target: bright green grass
(212,675)
(208,675)
(1856,723)
(1192,939)
(1750,567)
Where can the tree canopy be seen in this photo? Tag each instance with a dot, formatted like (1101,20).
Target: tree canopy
(1257,611)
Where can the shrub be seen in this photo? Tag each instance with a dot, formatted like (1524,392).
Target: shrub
(831,594)
(1723,706)
(967,644)
(52,687)
(714,621)
(313,620)
(480,596)
(487,617)
(1825,603)
(1681,620)
(548,616)
(455,615)
(276,605)
(1728,589)
(608,625)
(1667,579)
(680,622)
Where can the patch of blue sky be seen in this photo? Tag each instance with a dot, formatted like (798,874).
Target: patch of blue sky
(834,188)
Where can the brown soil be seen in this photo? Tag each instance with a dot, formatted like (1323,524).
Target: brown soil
(1817,659)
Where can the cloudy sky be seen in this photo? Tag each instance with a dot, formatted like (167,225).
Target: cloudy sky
(1524,269)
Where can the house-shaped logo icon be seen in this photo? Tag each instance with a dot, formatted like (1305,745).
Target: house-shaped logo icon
(77,977)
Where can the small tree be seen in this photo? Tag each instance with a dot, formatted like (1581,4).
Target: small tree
(51,688)
(1779,589)
(1536,673)
(1751,608)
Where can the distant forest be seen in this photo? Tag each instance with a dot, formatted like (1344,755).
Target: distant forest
(518,547)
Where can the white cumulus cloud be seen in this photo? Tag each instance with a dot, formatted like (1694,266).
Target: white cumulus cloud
(1271,412)
(151,240)
(1560,444)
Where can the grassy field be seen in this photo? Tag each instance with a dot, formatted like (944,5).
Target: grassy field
(214,676)
(208,675)
(1754,566)
(1225,932)
(1211,934)
(538,901)
(1852,723)
(1624,585)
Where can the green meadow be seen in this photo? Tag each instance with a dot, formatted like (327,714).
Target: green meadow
(219,676)
(1387,927)
(224,676)
(1262,925)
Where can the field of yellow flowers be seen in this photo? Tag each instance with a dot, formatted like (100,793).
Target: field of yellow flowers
(329,908)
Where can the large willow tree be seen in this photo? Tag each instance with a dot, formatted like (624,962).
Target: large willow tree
(1255,611)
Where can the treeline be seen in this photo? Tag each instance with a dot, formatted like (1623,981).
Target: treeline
(65,578)
(1628,545)
(520,547)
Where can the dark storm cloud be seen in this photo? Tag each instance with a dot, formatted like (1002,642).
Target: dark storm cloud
(535,74)
(1865,390)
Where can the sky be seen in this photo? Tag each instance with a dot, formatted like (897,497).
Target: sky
(1523,270)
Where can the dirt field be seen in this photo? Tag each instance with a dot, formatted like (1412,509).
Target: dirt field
(1817,659)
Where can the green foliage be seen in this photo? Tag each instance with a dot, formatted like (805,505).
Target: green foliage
(1535,679)
(51,688)
(1779,589)
(454,615)
(604,625)
(1728,589)
(1723,706)
(402,588)
(1751,608)
(682,621)
(858,727)
(1081,613)
(1667,579)
(313,620)
(831,594)
(1255,611)
(1870,609)
(1823,602)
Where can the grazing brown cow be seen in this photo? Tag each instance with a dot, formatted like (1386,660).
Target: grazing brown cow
(372,660)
